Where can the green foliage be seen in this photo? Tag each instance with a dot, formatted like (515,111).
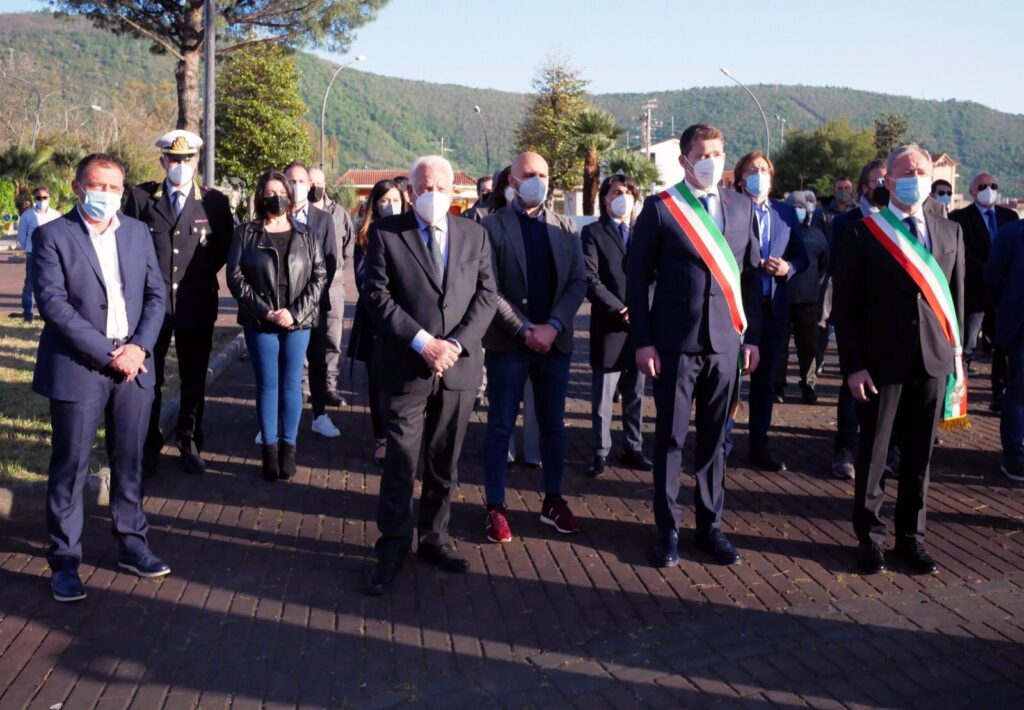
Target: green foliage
(643,171)
(7,189)
(259,113)
(345,195)
(889,132)
(816,158)
(594,133)
(549,127)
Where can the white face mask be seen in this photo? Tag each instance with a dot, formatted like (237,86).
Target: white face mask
(101,206)
(708,171)
(987,197)
(301,192)
(386,209)
(42,205)
(621,207)
(532,191)
(180,173)
(432,207)
(510,193)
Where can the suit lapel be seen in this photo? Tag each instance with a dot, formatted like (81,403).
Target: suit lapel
(162,205)
(611,230)
(413,238)
(511,222)
(80,234)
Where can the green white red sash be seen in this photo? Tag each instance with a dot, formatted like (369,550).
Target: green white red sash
(710,244)
(921,266)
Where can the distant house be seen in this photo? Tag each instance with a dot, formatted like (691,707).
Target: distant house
(944,168)
(665,154)
(362,181)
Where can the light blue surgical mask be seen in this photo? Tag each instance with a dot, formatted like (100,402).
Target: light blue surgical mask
(801,214)
(944,199)
(100,205)
(912,190)
(758,184)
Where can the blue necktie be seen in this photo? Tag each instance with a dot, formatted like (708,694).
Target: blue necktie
(704,201)
(624,234)
(990,221)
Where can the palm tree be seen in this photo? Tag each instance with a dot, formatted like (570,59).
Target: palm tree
(594,132)
(644,172)
(23,165)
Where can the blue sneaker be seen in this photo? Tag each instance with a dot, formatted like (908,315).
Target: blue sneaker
(67,586)
(144,564)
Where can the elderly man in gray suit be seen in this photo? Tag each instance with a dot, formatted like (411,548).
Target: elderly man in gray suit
(541,280)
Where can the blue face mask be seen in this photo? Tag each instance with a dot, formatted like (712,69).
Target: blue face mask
(944,199)
(100,205)
(801,214)
(758,184)
(912,190)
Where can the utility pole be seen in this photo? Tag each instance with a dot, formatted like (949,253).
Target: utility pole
(210,59)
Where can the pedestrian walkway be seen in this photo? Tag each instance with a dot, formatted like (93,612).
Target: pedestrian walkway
(263,608)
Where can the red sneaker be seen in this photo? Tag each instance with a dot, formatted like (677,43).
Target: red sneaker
(555,512)
(497,528)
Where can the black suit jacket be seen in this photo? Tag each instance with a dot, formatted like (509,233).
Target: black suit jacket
(688,313)
(190,248)
(403,296)
(320,223)
(883,324)
(977,245)
(605,258)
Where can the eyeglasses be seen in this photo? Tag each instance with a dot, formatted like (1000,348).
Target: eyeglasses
(983,185)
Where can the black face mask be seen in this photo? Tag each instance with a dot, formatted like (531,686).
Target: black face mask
(276,205)
(880,196)
(316,193)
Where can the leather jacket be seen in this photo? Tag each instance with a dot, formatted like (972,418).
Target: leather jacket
(252,270)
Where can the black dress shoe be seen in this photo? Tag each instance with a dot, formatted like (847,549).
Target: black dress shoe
(144,564)
(766,461)
(597,467)
(444,557)
(667,552)
(380,578)
(914,556)
(808,395)
(271,467)
(636,460)
(190,459)
(67,586)
(871,560)
(334,399)
(718,546)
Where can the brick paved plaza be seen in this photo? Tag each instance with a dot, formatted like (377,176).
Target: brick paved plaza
(263,606)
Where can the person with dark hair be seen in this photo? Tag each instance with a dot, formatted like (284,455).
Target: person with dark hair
(503,193)
(385,200)
(605,248)
(696,244)
(37,215)
(191,228)
(101,296)
(277,273)
(782,257)
(484,192)
(403,184)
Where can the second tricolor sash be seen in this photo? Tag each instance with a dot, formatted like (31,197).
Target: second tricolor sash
(921,266)
(710,244)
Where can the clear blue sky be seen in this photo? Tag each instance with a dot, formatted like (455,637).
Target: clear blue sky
(908,47)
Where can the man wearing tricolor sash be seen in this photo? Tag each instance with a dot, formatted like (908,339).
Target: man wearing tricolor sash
(898,305)
(697,243)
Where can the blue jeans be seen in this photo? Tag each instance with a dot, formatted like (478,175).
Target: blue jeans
(1011,423)
(26,290)
(277,359)
(507,373)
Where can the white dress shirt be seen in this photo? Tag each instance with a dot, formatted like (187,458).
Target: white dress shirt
(714,202)
(105,244)
(918,217)
(177,204)
(440,233)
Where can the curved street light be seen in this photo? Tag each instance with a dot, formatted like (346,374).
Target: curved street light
(767,132)
(487,145)
(323,108)
(99,109)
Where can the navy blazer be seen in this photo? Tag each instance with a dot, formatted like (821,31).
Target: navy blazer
(73,347)
(785,242)
(605,257)
(1004,281)
(687,313)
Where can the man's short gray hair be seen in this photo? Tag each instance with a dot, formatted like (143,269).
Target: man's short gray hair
(434,161)
(904,150)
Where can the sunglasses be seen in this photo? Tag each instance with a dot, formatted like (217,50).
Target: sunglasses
(983,185)
(943,192)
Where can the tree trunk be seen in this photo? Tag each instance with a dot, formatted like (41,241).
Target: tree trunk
(590,176)
(186,74)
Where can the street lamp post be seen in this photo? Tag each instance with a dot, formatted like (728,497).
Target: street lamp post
(323,108)
(767,132)
(100,109)
(782,129)
(487,146)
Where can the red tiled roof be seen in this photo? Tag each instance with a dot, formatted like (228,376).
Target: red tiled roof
(372,177)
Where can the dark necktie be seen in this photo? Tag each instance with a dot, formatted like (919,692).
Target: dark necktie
(912,226)
(624,234)
(435,253)
(990,221)
(177,199)
(704,202)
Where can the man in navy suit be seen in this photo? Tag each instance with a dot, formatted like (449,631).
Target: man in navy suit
(782,257)
(100,292)
(688,335)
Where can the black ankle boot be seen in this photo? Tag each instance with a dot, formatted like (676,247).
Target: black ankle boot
(271,471)
(287,461)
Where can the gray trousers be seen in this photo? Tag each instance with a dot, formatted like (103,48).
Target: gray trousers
(632,388)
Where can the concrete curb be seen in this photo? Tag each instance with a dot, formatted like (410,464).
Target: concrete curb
(24,499)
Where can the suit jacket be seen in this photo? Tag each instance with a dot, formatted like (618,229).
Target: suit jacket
(688,313)
(190,248)
(840,227)
(881,319)
(977,245)
(784,241)
(806,287)
(605,258)
(320,224)
(508,256)
(1004,281)
(74,350)
(403,295)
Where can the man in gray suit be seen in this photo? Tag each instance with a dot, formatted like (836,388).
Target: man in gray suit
(541,281)
(431,295)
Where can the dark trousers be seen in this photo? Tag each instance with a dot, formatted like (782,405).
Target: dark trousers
(1011,424)
(192,347)
(707,379)
(334,322)
(26,289)
(373,396)
(124,408)
(432,424)
(631,384)
(762,388)
(801,327)
(847,423)
(316,361)
(916,404)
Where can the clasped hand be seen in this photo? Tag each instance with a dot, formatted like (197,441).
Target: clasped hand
(281,317)
(440,355)
(540,337)
(128,360)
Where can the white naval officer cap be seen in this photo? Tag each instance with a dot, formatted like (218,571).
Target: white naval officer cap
(179,143)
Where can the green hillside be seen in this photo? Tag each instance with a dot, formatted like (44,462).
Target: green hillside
(385,122)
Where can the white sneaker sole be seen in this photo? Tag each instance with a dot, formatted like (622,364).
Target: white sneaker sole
(328,435)
(76,598)
(145,575)
(548,521)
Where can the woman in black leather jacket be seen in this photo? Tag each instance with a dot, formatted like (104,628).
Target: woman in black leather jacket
(276,272)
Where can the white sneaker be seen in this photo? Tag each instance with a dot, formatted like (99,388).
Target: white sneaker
(323,426)
(259,438)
